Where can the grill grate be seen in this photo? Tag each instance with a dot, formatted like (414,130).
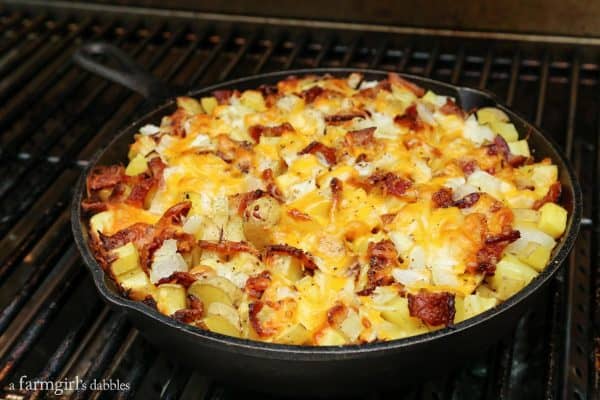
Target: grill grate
(53,116)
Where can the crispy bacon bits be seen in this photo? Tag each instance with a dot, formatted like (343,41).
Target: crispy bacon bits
(553,196)
(298,215)
(396,79)
(256,285)
(337,314)
(336,193)
(467,201)
(382,257)
(227,248)
(361,137)
(257,131)
(432,308)
(338,118)
(499,146)
(442,198)
(304,257)
(185,279)
(311,94)
(254,309)
(451,108)
(410,119)
(105,177)
(390,183)
(328,153)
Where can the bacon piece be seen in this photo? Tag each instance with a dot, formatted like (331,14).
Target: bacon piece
(336,193)
(195,303)
(268,90)
(361,137)
(256,285)
(183,278)
(442,198)
(134,233)
(410,119)
(256,131)
(337,118)
(140,191)
(382,257)
(223,95)
(230,150)
(254,309)
(247,198)
(499,146)
(272,189)
(509,237)
(552,196)
(89,206)
(311,94)
(391,183)
(387,218)
(299,215)
(187,315)
(104,177)
(227,247)
(432,308)
(468,167)
(304,257)
(317,147)
(156,167)
(337,314)
(451,108)
(177,124)
(175,214)
(467,201)
(397,80)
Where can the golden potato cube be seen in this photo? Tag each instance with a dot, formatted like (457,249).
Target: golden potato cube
(215,289)
(511,276)
(253,99)
(171,297)
(137,283)
(506,130)
(101,222)
(553,219)
(209,104)
(190,105)
(289,267)
(488,115)
(330,337)
(143,145)
(474,304)
(136,166)
(397,313)
(127,259)
(219,324)
(296,334)
(536,255)
(519,148)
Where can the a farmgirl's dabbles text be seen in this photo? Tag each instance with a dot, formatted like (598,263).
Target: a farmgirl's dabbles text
(325,211)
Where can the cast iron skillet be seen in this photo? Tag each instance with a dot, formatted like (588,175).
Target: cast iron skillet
(313,370)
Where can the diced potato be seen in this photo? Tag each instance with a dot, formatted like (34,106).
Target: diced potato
(474,304)
(526,215)
(190,105)
(215,289)
(143,145)
(542,177)
(260,216)
(397,313)
(136,166)
(289,267)
(511,276)
(209,104)
(170,298)
(226,311)
(127,259)
(506,130)
(488,115)
(536,255)
(137,283)
(101,222)
(219,324)
(296,334)
(553,219)
(253,99)
(234,229)
(330,337)
(519,148)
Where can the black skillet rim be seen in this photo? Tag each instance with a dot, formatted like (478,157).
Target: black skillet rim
(316,353)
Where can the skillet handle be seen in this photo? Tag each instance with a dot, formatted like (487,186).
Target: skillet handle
(95,56)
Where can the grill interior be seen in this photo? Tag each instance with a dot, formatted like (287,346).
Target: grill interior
(54,116)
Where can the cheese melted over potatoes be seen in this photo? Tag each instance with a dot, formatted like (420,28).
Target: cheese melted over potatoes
(325,211)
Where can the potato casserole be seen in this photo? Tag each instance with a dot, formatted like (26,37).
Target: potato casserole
(325,211)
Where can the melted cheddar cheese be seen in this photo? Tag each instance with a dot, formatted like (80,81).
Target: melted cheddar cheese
(336,210)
